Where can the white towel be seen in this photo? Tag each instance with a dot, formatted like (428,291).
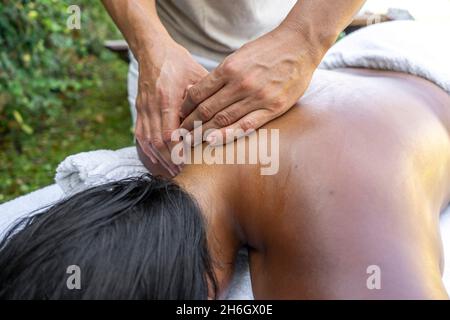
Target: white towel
(87,169)
(412,47)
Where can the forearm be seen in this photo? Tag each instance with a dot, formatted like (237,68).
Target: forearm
(139,23)
(319,22)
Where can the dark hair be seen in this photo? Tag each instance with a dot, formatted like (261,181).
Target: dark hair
(139,238)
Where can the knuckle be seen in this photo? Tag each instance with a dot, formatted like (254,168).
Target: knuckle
(195,94)
(139,104)
(167,135)
(277,105)
(262,95)
(248,124)
(204,112)
(158,143)
(143,106)
(165,109)
(229,67)
(161,96)
(246,84)
(224,118)
(139,135)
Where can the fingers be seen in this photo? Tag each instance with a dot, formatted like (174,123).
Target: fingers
(143,140)
(145,146)
(149,135)
(211,107)
(242,127)
(200,91)
(160,149)
(165,161)
(188,103)
(170,121)
(156,159)
(224,118)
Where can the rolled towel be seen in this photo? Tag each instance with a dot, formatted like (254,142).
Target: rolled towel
(87,169)
(413,47)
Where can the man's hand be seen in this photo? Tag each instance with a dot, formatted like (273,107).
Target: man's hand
(252,86)
(165,70)
(257,83)
(265,77)
(163,79)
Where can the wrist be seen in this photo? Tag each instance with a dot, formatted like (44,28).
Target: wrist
(313,40)
(147,50)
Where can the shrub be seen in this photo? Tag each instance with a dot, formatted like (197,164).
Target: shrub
(43,64)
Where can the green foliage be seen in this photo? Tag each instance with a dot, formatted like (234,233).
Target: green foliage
(61,92)
(43,64)
(100,119)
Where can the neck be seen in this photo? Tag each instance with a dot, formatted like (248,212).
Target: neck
(216,190)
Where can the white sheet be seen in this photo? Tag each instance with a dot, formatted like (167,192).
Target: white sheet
(403,46)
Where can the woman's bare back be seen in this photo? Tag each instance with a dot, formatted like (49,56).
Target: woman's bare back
(364,172)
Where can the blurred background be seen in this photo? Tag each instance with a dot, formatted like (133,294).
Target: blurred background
(62,92)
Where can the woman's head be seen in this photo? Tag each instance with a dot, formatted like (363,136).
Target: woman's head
(140,238)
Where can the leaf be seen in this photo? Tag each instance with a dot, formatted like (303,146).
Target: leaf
(27,129)
(18,117)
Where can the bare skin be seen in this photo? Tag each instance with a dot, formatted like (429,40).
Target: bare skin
(364,174)
(167,71)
